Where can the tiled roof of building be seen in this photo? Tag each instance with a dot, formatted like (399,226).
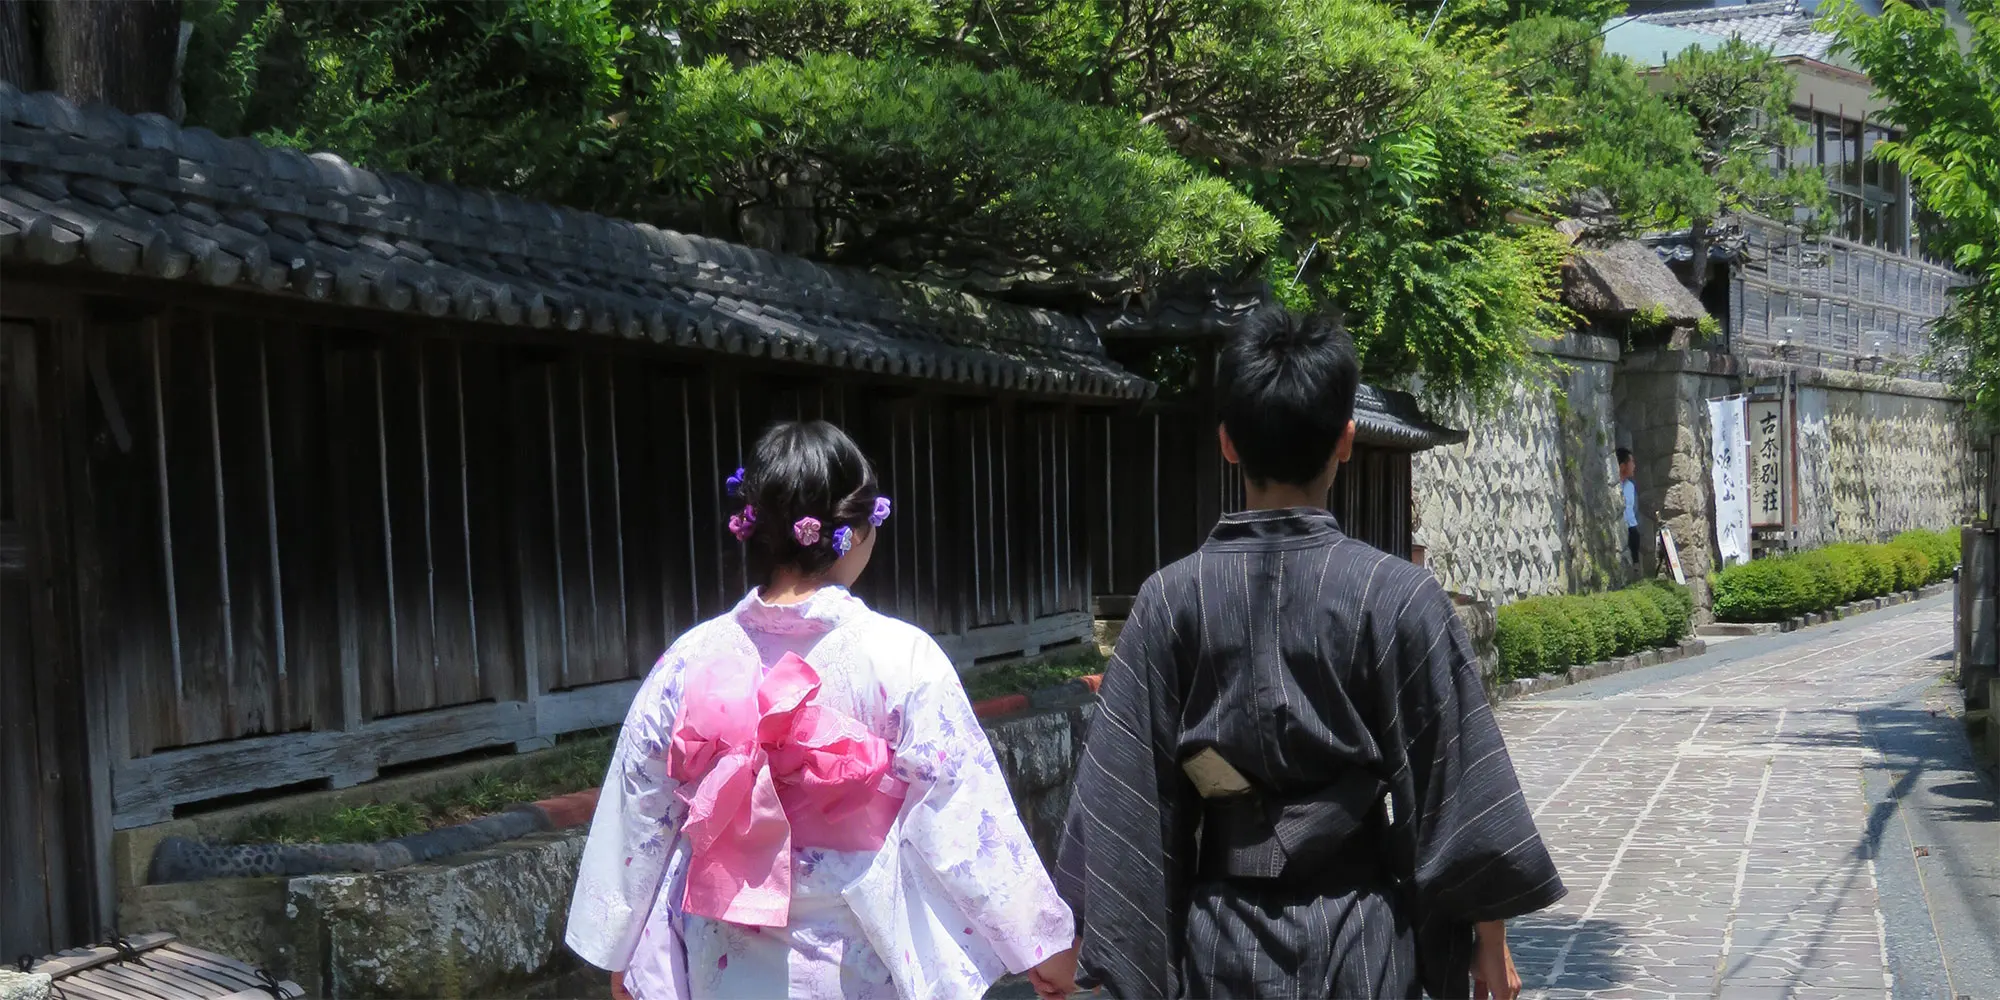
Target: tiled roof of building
(139,195)
(1782,26)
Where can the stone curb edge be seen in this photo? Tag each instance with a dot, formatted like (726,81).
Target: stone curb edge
(1521,687)
(1048,697)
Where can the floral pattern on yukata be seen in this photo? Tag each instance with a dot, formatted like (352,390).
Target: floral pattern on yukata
(957,872)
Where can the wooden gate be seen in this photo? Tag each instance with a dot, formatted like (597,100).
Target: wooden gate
(43,902)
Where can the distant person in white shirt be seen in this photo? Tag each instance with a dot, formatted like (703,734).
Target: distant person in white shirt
(1630,491)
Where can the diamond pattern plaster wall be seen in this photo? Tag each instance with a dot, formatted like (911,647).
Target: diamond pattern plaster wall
(1529,503)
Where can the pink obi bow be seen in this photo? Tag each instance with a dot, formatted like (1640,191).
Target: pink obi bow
(764,770)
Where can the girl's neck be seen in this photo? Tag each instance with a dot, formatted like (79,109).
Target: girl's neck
(789,586)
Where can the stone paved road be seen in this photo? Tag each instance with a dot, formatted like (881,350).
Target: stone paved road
(1734,826)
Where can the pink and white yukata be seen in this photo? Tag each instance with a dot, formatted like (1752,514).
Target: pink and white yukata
(811,733)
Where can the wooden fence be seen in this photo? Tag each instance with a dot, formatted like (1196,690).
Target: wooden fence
(1166,483)
(310,553)
(1848,302)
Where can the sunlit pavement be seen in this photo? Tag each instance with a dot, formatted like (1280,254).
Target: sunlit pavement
(1783,817)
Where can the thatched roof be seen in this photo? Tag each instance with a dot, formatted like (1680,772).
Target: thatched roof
(1622,278)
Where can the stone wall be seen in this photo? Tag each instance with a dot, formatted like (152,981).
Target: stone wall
(1879,456)
(1529,503)
(1663,410)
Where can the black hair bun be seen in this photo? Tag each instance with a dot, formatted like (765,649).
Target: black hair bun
(802,469)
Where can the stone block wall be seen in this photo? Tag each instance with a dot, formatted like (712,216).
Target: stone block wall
(1879,456)
(1529,503)
(1663,408)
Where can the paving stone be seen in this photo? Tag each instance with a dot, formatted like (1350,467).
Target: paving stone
(1711,827)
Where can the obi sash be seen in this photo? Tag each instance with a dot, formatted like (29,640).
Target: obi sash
(765,770)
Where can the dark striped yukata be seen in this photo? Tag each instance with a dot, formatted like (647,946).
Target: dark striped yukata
(1383,816)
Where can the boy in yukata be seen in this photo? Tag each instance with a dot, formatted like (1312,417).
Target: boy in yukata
(1293,785)
(801,803)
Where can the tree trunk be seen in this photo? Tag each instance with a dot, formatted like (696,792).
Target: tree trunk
(119,52)
(1697,276)
(17,46)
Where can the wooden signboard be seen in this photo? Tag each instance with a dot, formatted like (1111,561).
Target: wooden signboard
(1673,556)
(1770,445)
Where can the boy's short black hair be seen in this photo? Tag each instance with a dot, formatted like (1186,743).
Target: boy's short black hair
(1286,385)
(1624,455)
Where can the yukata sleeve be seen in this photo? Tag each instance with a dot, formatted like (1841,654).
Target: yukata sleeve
(632,832)
(960,819)
(1128,832)
(1472,850)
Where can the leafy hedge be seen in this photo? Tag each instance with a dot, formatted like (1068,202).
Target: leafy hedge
(1547,634)
(1781,587)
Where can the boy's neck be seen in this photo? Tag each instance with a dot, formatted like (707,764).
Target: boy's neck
(1282,496)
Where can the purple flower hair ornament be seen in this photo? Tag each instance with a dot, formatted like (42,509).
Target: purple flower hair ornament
(806,530)
(734,484)
(843,539)
(880,513)
(741,525)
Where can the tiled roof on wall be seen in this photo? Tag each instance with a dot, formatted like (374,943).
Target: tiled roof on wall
(139,195)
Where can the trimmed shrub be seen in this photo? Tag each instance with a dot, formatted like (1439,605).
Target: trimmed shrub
(1519,636)
(1877,569)
(1832,575)
(1602,623)
(1940,546)
(1675,601)
(1763,590)
(1563,638)
(1628,625)
(1913,565)
(1653,628)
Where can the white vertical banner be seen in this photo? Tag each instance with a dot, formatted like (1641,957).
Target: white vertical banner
(1768,462)
(1729,446)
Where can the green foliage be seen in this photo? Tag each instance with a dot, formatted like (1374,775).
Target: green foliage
(1942,547)
(1090,148)
(515,94)
(1739,97)
(1032,676)
(1654,626)
(1549,634)
(1675,152)
(1519,636)
(1676,605)
(1865,574)
(1781,587)
(920,163)
(1913,566)
(578,762)
(1834,577)
(1764,590)
(1945,96)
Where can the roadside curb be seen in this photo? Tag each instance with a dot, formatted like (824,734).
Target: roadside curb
(1055,696)
(1522,687)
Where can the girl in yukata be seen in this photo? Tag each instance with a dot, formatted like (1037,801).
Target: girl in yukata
(801,802)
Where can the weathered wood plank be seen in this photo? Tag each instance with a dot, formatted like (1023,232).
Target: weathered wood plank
(146,790)
(90,958)
(998,640)
(403,437)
